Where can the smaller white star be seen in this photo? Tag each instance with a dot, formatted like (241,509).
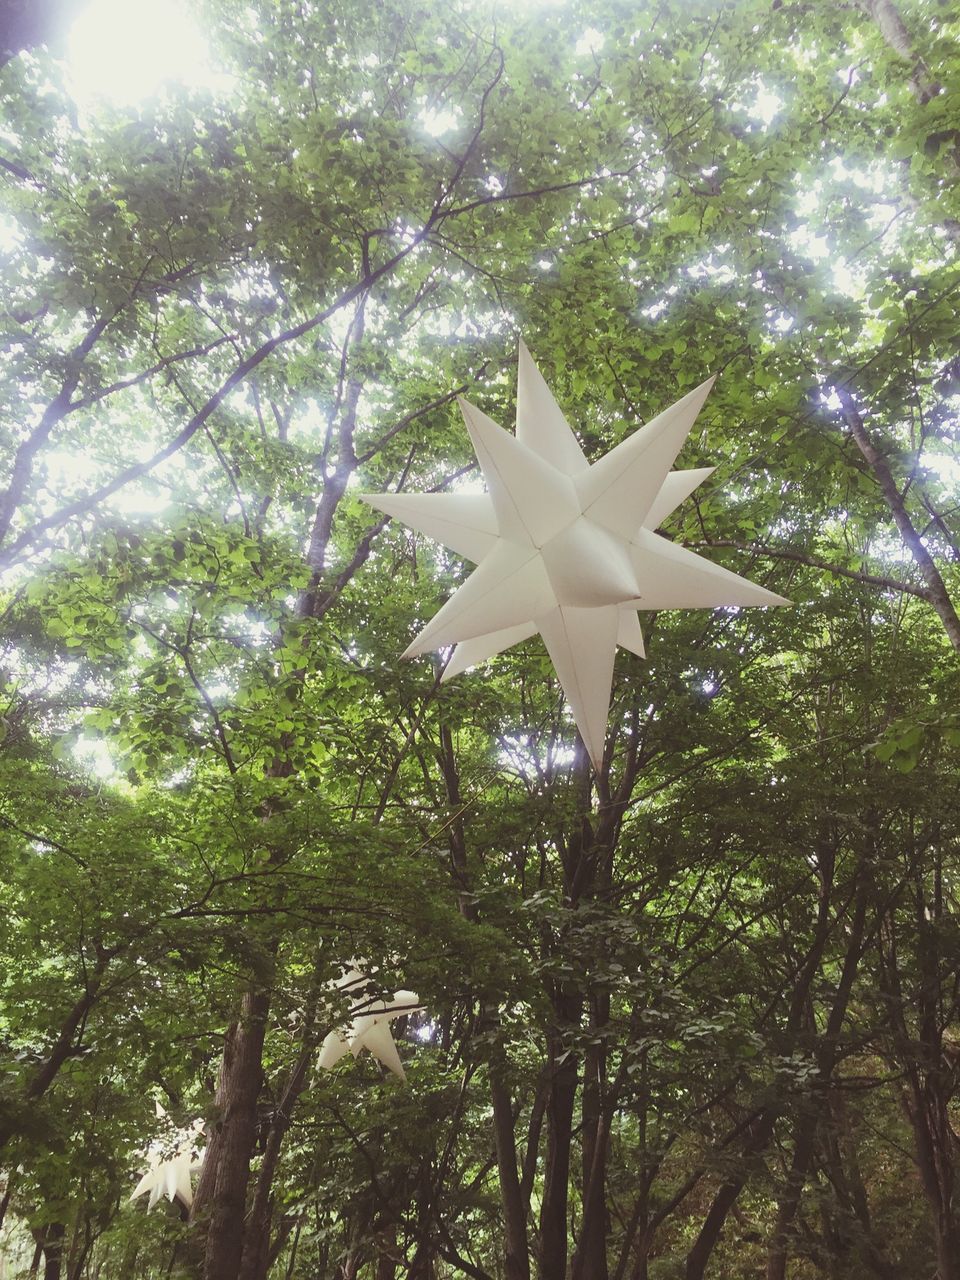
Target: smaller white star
(369,1026)
(170,1164)
(566,548)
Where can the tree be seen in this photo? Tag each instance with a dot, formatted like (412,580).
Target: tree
(695,1008)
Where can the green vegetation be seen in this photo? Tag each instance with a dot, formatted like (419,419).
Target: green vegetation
(695,1016)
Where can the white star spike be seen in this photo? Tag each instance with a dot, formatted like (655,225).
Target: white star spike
(369,1027)
(566,548)
(168,1171)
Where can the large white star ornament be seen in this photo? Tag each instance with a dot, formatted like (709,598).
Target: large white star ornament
(566,548)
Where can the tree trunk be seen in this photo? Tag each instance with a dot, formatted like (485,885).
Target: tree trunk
(553,1210)
(239,1089)
(349,1267)
(934,1140)
(7,1193)
(256,1250)
(66,1042)
(127,1269)
(803,1148)
(53,1238)
(805,1131)
(590,1258)
(894,31)
(517,1255)
(513,1201)
(928,1079)
(840,1156)
(724,1200)
(388,1253)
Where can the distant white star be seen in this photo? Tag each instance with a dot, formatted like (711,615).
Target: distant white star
(170,1164)
(566,548)
(369,1027)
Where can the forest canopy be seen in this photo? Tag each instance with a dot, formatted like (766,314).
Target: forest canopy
(692,1013)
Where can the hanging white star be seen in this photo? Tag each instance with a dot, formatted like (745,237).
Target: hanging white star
(369,1027)
(566,548)
(169,1166)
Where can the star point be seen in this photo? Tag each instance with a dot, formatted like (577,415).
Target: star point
(566,548)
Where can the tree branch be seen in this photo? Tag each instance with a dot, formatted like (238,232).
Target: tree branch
(937,594)
(85,504)
(96,396)
(23,458)
(798,557)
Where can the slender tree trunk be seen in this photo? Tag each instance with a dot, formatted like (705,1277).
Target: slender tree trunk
(931,1127)
(66,1042)
(553,1210)
(762,1127)
(840,1157)
(590,1258)
(640,1241)
(924,87)
(928,1079)
(78,1264)
(514,1203)
(221,1200)
(387,1254)
(81,1243)
(256,1249)
(349,1267)
(7,1193)
(804,1134)
(423,1266)
(805,1131)
(726,1197)
(517,1255)
(386,1267)
(295,1248)
(128,1261)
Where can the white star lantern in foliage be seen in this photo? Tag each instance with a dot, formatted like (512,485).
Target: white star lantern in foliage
(566,548)
(170,1165)
(369,1027)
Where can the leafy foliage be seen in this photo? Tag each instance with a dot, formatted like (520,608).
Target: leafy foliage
(694,1014)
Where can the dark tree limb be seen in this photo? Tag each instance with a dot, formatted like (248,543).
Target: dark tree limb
(937,593)
(798,557)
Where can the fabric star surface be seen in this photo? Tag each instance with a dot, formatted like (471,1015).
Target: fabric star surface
(369,1027)
(567,549)
(170,1166)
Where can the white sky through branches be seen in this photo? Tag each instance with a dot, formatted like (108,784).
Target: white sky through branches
(124,50)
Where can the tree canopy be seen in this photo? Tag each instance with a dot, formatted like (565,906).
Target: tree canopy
(693,1014)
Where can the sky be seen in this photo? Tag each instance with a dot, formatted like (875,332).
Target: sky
(122,51)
